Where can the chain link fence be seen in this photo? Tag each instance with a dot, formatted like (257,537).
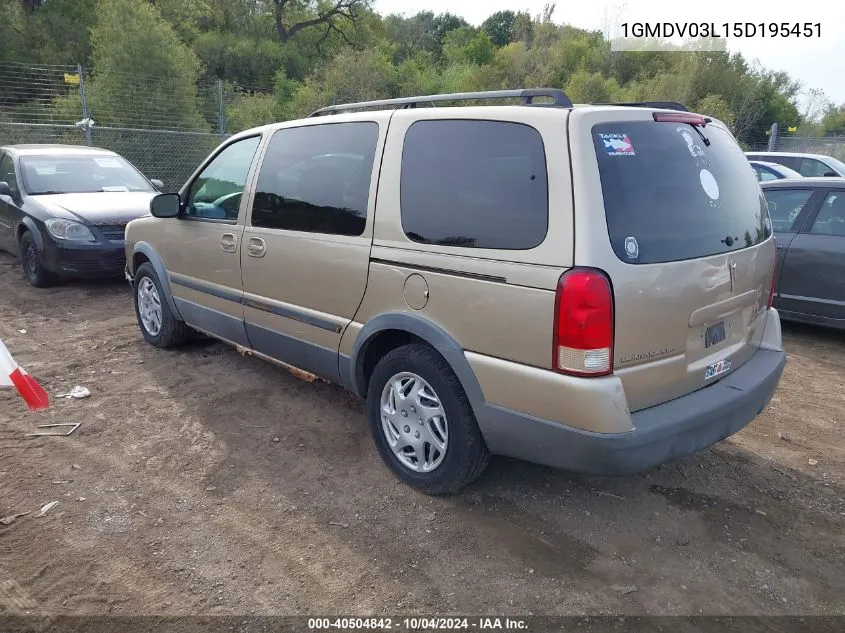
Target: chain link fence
(782,138)
(828,145)
(163,127)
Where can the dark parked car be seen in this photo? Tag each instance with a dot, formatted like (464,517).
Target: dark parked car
(64,209)
(808,219)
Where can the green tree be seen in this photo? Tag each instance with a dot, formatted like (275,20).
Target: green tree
(587,87)
(351,76)
(293,16)
(445,23)
(468,44)
(412,35)
(500,27)
(143,73)
(716,107)
(246,110)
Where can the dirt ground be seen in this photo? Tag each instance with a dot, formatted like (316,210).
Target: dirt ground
(205,482)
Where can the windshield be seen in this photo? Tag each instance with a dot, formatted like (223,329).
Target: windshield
(80,174)
(669,196)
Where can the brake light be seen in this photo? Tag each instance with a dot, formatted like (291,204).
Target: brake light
(583,335)
(681,117)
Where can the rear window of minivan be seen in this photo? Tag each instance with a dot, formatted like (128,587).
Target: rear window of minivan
(668,196)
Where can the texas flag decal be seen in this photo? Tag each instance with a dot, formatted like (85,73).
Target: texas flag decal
(618,144)
(12,375)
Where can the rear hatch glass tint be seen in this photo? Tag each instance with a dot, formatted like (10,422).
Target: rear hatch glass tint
(669,196)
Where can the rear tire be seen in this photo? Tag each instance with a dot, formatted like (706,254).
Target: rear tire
(396,422)
(31,262)
(159,326)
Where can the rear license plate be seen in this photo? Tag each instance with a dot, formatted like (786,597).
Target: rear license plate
(714,334)
(716,369)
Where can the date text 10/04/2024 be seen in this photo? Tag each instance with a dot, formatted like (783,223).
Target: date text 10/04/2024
(418,623)
(724,30)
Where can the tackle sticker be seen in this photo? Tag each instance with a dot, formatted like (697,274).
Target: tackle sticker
(632,249)
(693,147)
(618,144)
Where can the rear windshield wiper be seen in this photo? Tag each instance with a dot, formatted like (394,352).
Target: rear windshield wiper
(704,139)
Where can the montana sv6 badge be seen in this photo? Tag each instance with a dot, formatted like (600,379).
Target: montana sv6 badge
(648,355)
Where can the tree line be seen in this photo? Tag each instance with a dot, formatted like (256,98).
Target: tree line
(281,59)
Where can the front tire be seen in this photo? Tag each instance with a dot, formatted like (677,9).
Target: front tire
(422,422)
(158,324)
(32,264)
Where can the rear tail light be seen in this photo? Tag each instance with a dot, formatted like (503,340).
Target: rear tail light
(583,336)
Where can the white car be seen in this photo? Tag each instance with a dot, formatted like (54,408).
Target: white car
(805,164)
(772,171)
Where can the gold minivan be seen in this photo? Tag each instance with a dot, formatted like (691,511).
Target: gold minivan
(587,287)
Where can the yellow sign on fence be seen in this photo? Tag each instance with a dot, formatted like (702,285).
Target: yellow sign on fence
(72,78)
(792,129)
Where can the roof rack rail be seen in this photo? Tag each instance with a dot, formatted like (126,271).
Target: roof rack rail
(527,95)
(665,105)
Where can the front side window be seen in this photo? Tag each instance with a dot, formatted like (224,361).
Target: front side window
(674,192)
(831,217)
(82,173)
(785,205)
(7,172)
(476,184)
(216,193)
(317,179)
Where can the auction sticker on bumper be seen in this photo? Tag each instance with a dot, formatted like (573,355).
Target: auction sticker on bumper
(716,369)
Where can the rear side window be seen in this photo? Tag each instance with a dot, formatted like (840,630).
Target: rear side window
(810,167)
(317,178)
(476,184)
(831,217)
(668,196)
(785,205)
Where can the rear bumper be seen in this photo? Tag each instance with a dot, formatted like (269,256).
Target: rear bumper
(85,260)
(661,433)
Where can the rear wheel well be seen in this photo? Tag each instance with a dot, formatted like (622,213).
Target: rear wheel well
(382,344)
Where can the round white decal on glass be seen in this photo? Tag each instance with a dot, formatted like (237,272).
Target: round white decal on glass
(709,184)
(632,249)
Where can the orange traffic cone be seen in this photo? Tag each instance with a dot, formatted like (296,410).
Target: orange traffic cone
(13,375)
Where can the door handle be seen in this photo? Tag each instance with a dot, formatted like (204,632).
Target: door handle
(229,243)
(256,247)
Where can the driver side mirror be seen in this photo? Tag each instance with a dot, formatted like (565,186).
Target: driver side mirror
(166,205)
(5,189)
(157,183)
(829,174)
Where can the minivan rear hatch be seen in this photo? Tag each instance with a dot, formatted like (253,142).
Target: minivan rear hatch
(668,207)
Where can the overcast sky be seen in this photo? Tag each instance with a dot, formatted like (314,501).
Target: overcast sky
(816,62)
